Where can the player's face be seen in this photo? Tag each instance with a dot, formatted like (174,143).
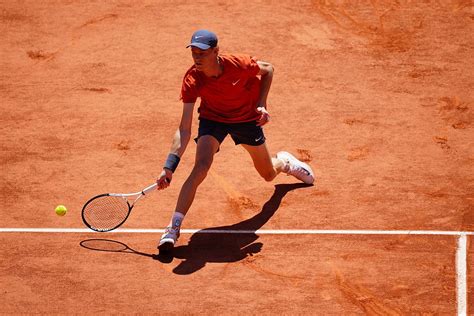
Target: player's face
(204,59)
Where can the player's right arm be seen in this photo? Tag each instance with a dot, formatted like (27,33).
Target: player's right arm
(180,142)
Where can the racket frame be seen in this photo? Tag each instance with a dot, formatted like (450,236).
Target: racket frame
(125,196)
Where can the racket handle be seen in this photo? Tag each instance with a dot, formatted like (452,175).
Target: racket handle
(149,189)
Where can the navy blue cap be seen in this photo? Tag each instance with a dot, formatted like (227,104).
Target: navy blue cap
(203,39)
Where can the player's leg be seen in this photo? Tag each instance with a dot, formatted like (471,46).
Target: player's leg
(207,146)
(266,166)
(251,137)
(210,136)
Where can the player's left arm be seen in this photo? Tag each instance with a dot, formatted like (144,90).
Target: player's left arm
(266,73)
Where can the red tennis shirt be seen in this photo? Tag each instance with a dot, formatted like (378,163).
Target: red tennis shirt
(230,98)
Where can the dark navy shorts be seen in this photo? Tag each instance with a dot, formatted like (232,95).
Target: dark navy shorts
(242,133)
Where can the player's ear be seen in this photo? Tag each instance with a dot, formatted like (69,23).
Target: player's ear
(216,50)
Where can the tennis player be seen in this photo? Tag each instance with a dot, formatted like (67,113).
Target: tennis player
(233,90)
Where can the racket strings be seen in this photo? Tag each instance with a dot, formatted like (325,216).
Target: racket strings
(106,212)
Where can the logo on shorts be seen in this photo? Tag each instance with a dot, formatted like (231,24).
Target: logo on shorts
(258,139)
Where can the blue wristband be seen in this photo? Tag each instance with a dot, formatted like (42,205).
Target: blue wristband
(172,162)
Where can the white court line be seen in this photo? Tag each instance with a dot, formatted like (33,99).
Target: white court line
(461,252)
(461,271)
(259,231)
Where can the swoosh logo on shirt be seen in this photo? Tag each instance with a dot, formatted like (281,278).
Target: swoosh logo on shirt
(234,83)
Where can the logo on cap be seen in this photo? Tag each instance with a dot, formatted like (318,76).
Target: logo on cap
(203,39)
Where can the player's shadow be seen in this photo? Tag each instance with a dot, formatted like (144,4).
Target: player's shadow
(207,245)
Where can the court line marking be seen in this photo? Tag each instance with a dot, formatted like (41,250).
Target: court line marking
(461,275)
(461,251)
(259,231)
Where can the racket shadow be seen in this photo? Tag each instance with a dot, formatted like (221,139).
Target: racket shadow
(110,245)
(206,247)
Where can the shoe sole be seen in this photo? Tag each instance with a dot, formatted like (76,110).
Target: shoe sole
(290,157)
(166,247)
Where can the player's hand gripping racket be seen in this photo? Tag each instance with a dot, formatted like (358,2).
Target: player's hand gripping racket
(106,212)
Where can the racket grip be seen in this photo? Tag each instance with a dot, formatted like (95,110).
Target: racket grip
(150,188)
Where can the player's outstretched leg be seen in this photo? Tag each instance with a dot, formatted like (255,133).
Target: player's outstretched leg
(168,239)
(171,234)
(207,146)
(296,168)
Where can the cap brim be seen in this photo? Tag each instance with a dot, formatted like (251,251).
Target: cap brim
(199,45)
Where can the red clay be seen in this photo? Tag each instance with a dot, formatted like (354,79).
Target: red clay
(375,95)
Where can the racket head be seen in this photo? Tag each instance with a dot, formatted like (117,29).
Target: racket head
(105,212)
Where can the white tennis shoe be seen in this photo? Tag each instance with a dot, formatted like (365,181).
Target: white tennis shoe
(296,168)
(168,239)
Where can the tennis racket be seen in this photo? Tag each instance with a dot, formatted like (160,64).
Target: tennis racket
(106,212)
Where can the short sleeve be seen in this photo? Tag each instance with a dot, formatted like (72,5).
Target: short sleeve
(188,89)
(253,68)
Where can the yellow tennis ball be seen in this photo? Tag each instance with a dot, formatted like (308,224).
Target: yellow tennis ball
(61,210)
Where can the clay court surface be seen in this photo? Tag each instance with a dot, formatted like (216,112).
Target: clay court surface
(375,95)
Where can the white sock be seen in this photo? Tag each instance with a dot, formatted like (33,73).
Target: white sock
(176,220)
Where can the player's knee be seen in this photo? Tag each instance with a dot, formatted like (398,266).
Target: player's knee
(268,176)
(201,168)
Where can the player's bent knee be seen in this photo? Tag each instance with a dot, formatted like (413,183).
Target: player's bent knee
(269,176)
(268,179)
(201,168)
